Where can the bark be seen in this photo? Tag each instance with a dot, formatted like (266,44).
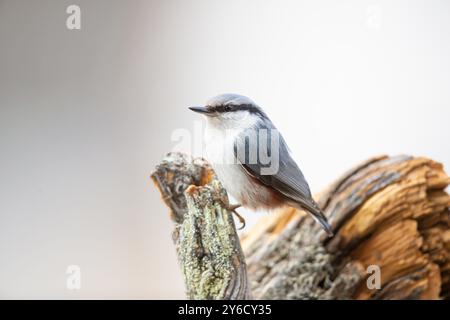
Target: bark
(388,212)
(205,237)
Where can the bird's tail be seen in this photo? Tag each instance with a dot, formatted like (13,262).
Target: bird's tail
(318,215)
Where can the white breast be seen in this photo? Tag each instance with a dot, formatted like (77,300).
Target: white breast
(220,153)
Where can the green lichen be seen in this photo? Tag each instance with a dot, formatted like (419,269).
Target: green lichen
(207,243)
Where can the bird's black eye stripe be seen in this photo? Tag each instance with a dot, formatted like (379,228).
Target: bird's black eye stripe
(246,107)
(223,108)
(241,107)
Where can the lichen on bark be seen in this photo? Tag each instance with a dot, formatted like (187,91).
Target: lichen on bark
(205,237)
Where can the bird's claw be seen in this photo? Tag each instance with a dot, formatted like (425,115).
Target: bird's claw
(232,208)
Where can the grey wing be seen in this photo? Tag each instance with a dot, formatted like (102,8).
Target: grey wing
(284,177)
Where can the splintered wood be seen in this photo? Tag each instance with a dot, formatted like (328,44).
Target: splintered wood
(389,212)
(391,221)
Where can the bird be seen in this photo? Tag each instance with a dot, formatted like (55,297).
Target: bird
(252,160)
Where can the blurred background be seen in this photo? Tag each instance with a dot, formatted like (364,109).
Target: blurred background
(85,115)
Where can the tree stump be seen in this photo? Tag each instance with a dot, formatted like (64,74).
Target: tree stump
(388,212)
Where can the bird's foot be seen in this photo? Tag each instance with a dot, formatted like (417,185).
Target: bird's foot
(232,208)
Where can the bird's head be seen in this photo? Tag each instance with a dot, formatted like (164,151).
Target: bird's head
(231,111)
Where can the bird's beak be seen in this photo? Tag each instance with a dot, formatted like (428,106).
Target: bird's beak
(202,110)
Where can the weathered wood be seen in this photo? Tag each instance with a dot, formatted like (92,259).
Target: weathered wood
(205,237)
(391,212)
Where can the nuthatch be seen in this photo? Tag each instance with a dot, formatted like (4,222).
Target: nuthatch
(251,158)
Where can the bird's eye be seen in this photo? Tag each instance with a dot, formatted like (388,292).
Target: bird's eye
(227,108)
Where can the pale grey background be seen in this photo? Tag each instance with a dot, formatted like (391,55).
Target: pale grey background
(85,116)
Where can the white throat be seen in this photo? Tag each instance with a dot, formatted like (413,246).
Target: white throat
(221,133)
